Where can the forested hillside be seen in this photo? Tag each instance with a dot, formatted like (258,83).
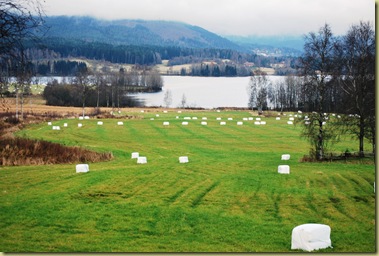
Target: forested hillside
(136,32)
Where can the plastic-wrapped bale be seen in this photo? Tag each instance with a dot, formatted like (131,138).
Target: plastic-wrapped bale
(194,118)
(184,123)
(49,123)
(291,119)
(80,125)
(278,118)
(251,118)
(218,118)
(258,119)
(239,123)
(86,117)
(120,123)
(289,122)
(245,119)
(100,123)
(204,123)
(286,157)
(81,118)
(82,168)
(263,122)
(56,128)
(230,119)
(141,160)
(204,118)
(166,123)
(222,123)
(284,169)
(187,118)
(183,159)
(65,125)
(135,155)
(311,236)
(257,123)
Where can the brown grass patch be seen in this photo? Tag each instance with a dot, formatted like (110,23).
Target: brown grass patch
(21,151)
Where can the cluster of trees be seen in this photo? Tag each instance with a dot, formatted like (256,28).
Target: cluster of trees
(102,89)
(336,74)
(216,69)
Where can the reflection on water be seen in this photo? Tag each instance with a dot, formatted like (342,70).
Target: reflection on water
(202,92)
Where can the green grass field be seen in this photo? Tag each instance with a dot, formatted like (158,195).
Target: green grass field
(228,198)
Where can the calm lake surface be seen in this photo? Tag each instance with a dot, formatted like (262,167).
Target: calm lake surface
(202,92)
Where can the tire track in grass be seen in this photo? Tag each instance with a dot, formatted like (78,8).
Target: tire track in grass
(201,196)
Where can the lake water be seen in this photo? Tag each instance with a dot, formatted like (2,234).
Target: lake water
(202,92)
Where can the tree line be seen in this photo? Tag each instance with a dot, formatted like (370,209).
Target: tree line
(102,89)
(335,75)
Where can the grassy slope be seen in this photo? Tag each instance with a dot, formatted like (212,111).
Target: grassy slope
(228,198)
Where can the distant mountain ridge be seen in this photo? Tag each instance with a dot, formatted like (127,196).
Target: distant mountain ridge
(136,32)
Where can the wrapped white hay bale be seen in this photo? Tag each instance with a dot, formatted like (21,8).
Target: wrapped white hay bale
(142,111)
(183,159)
(230,119)
(284,169)
(157,115)
(286,157)
(187,118)
(82,168)
(177,117)
(166,123)
(179,111)
(204,118)
(194,118)
(257,123)
(312,236)
(152,119)
(251,118)
(80,125)
(222,123)
(100,123)
(307,122)
(56,128)
(120,123)
(291,119)
(278,118)
(165,111)
(65,125)
(289,122)
(135,155)
(245,119)
(86,117)
(258,119)
(263,122)
(141,160)
(239,123)
(81,118)
(184,123)
(218,118)
(49,123)
(204,123)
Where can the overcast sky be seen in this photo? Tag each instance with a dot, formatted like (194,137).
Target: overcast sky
(230,17)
